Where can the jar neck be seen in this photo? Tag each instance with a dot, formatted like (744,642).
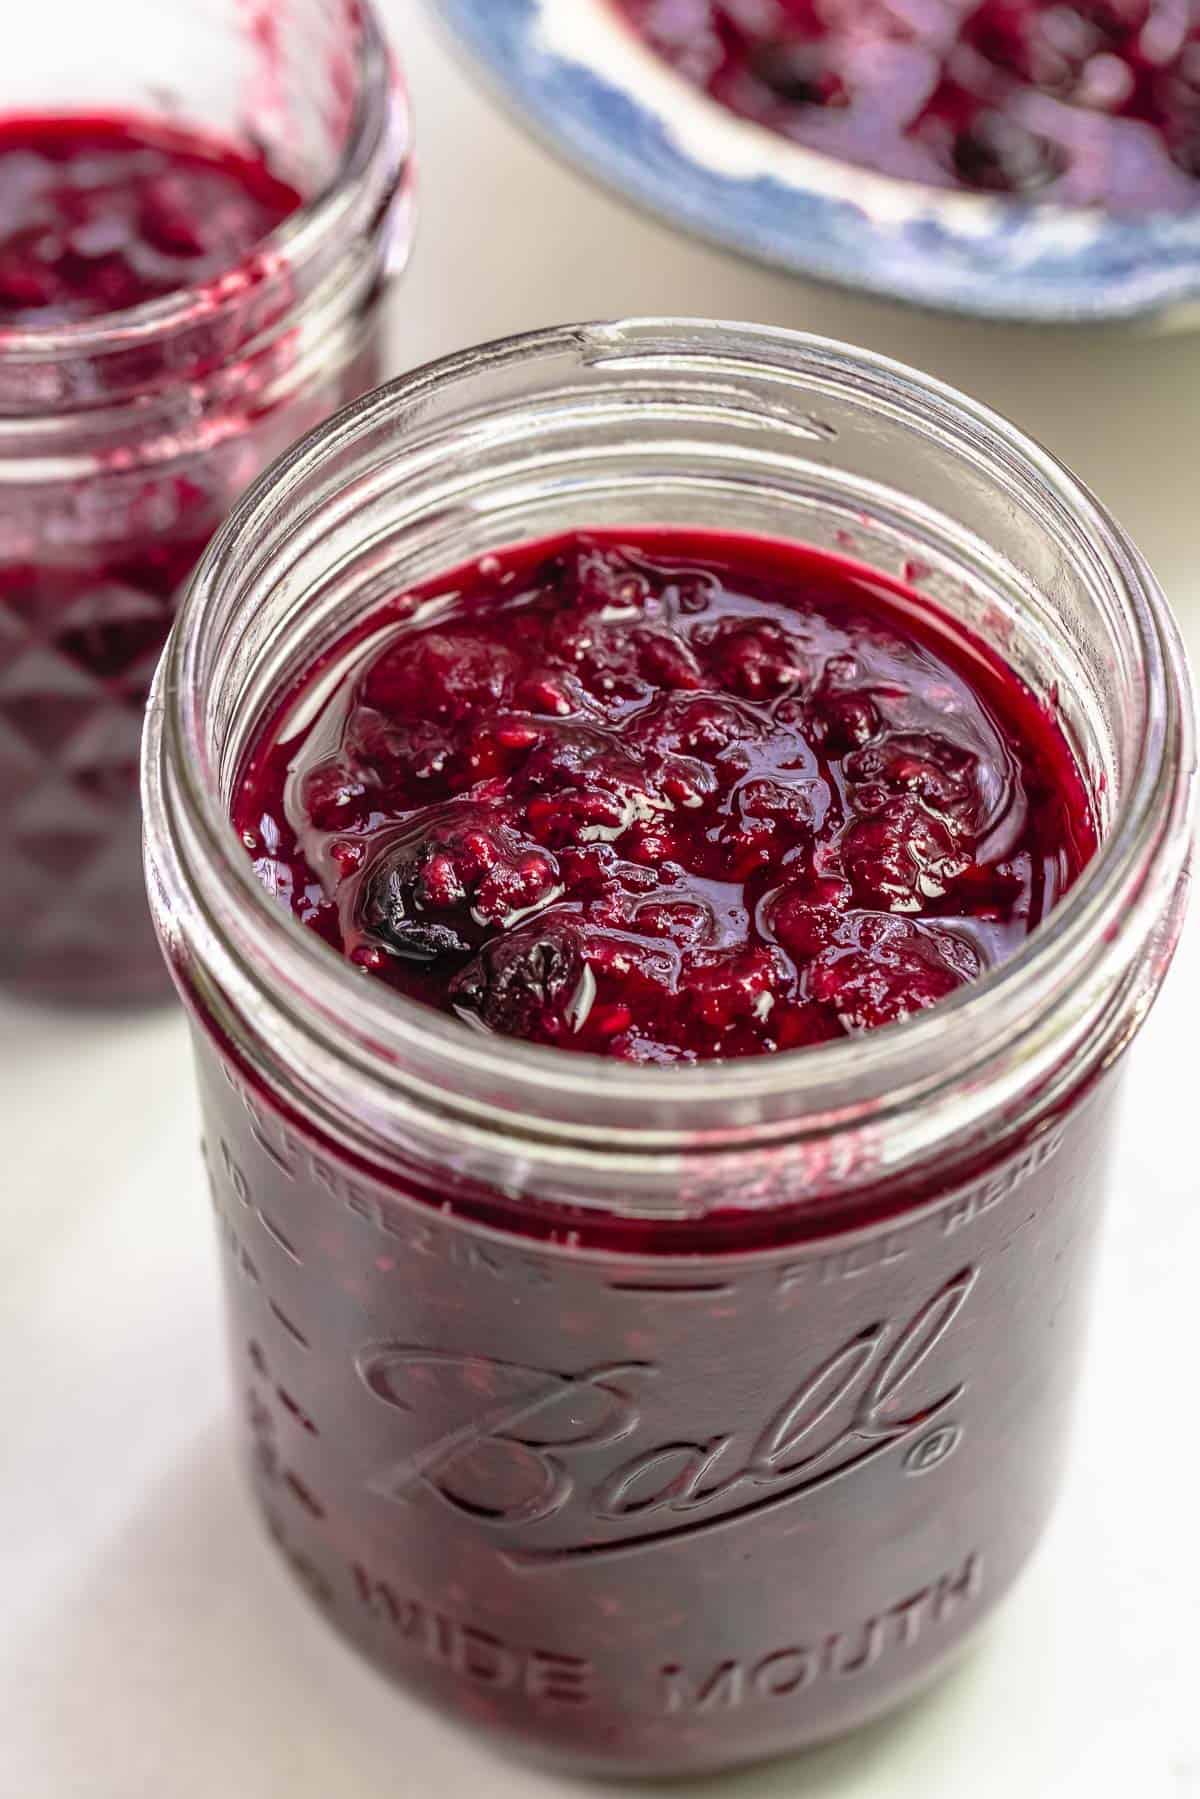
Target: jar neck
(164,371)
(669,422)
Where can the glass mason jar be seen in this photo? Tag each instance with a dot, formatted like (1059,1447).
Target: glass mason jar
(660,1419)
(124,440)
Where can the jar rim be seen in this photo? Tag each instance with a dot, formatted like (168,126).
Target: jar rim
(297,241)
(821,1090)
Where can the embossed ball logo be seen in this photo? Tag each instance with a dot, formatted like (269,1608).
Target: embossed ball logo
(516,1446)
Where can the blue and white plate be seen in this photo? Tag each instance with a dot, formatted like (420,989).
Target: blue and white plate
(572,69)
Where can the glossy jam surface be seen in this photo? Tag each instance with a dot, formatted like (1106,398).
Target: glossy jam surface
(666,798)
(1091,102)
(98,214)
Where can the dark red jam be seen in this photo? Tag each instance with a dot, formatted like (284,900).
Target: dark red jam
(666,797)
(99,214)
(1092,102)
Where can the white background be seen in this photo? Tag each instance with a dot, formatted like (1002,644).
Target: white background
(148,1644)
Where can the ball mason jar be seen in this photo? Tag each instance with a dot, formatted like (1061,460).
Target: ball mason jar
(124,440)
(660,1419)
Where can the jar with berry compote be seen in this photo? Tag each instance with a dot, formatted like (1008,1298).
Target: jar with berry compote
(196,237)
(665,833)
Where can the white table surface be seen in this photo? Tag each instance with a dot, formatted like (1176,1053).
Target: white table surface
(148,1644)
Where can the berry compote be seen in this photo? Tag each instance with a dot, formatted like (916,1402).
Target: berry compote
(100,215)
(1091,102)
(656,1494)
(667,797)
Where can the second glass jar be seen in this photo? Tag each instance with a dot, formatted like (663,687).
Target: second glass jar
(124,440)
